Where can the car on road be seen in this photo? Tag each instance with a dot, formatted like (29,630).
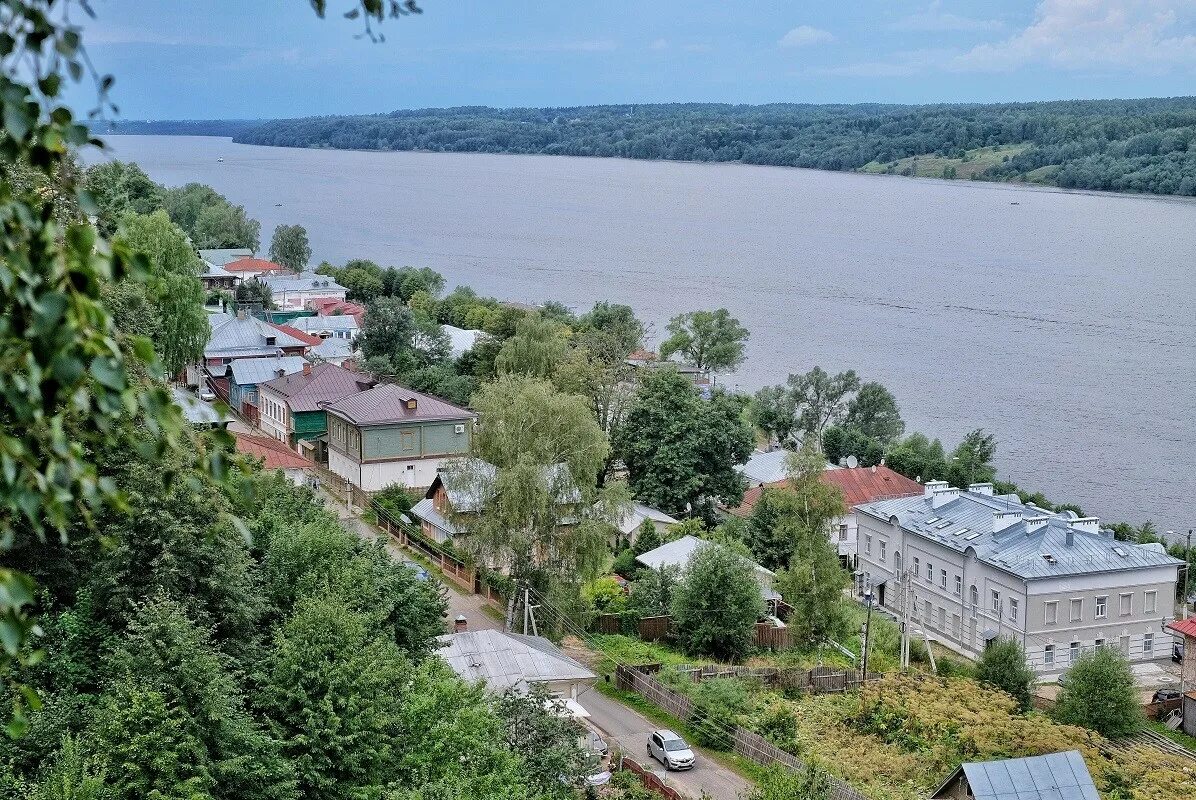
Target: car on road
(670,750)
(206,394)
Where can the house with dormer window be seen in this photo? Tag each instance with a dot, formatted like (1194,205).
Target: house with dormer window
(967,567)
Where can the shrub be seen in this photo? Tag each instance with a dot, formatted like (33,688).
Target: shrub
(1003,666)
(625,564)
(394,500)
(718,703)
(717,604)
(1097,692)
(604,595)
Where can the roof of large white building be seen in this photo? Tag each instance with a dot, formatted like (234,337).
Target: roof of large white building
(1012,536)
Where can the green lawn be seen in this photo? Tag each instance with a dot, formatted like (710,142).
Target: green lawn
(931,166)
(1179,737)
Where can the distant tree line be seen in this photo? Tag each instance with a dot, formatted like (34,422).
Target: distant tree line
(1146,145)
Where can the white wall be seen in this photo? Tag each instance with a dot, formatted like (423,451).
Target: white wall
(377,475)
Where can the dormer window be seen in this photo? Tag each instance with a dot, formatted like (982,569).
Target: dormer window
(271,340)
(411,403)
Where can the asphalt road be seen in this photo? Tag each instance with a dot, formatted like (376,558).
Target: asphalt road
(615,721)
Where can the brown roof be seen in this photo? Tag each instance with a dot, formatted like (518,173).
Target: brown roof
(302,336)
(387,404)
(254,265)
(273,453)
(859,485)
(325,383)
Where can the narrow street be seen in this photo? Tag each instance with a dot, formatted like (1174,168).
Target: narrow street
(617,723)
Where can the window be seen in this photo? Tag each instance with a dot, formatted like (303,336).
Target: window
(842,533)
(1099,643)
(996,601)
(867,544)
(956,628)
(929,571)
(959,586)
(1125,604)
(1048,655)
(942,618)
(1077,610)
(1051,617)
(884,551)
(1075,651)
(926,606)
(1102,607)
(943,578)
(1150,603)
(1013,609)
(1147,644)
(917,566)
(975,600)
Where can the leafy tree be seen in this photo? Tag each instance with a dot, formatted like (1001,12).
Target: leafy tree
(773,411)
(873,412)
(225,225)
(535,350)
(781,783)
(679,448)
(396,341)
(653,591)
(553,761)
(821,398)
(1003,665)
(536,458)
(119,188)
(173,286)
(1097,692)
(604,595)
(74,774)
(713,341)
(133,312)
(971,461)
(646,537)
(840,441)
(919,458)
(289,247)
(254,293)
(717,604)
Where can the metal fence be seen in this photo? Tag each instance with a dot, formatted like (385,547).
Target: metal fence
(750,745)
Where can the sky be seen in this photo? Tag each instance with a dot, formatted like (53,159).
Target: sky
(253,59)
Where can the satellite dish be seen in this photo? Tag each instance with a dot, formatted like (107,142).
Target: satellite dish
(852,462)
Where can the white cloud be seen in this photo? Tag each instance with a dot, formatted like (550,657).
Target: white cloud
(1134,35)
(935,19)
(659,44)
(804,35)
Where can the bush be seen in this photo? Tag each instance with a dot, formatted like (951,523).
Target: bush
(1097,692)
(718,702)
(717,604)
(394,500)
(625,564)
(1003,666)
(604,595)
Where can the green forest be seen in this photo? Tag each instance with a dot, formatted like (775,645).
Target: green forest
(1144,145)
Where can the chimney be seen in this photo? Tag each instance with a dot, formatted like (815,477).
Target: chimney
(1086,524)
(280,372)
(943,495)
(1036,523)
(240,313)
(981,488)
(931,486)
(1071,538)
(1003,519)
(460,624)
(306,368)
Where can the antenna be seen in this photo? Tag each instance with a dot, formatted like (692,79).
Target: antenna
(852,462)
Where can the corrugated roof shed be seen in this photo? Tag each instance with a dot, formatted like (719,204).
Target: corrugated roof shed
(1056,776)
(390,404)
(508,660)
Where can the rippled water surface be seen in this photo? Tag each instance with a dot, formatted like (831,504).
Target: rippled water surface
(1063,322)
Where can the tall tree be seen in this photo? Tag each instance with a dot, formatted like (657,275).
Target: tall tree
(971,461)
(535,350)
(173,286)
(874,412)
(717,604)
(1097,692)
(821,398)
(226,225)
(774,412)
(712,341)
(1003,665)
(254,293)
(289,247)
(680,449)
(553,760)
(396,341)
(119,188)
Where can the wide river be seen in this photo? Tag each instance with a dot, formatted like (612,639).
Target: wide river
(1065,323)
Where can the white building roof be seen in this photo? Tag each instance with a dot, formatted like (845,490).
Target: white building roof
(508,660)
(462,339)
(765,467)
(678,552)
(218,257)
(635,515)
(304,282)
(232,337)
(329,324)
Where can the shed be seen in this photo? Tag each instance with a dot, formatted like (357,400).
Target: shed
(513,661)
(1055,776)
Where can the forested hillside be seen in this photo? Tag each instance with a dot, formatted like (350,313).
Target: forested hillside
(1121,145)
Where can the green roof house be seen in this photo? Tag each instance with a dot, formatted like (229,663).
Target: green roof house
(291,409)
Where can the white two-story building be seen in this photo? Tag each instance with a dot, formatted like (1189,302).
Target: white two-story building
(968,567)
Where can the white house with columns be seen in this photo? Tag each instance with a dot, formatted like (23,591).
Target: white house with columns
(968,566)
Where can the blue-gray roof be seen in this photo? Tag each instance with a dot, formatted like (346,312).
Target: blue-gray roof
(304,282)
(1056,776)
(508,660)
(245,336)
(252,371)
(1031,542)
(316,324)
(218,257)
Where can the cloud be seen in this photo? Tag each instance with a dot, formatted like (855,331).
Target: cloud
(659,44)
(935,19)
(1134,35)
(804,35)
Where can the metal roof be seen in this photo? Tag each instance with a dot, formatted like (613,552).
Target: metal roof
(678,552)
(304,282)
(462,339)
(220,256)
(332,348)
(323,383)
(635,515)
(425,509)
(387,404)
(1033,543)
(1056,776)
(508,660)
(765,467)
(231,335)
(252,371)
(335,322)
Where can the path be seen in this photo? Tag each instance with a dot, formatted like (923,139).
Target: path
(615,721)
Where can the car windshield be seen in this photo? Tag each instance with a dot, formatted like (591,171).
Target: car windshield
(673,745)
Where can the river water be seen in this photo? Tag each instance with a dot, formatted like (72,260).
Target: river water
(1065,323)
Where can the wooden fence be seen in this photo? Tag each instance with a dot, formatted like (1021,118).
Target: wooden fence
(770,637)
(651,629)
(750,745)
(410,537)
(819,680)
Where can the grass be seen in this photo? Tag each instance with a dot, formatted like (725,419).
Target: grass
(618,649)
(744,767)
(1179,737)
(930,166)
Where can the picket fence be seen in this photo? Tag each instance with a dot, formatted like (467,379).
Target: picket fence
(750,745)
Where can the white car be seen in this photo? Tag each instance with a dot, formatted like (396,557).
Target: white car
(670,750)
(206,394)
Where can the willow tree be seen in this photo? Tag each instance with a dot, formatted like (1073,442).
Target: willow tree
(533,476)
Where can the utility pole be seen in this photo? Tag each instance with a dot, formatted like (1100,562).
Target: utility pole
(527,609)
(903,610)
(1183,613)
(867,634)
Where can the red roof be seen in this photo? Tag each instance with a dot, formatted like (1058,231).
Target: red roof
(1185,626)
(273,453)
(330,306)
(859,485)
(254,265)
(302,336)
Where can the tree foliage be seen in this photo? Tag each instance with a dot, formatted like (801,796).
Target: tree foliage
(1097,692)
(713,341)
(289,247)
(1003,666)
(716,606)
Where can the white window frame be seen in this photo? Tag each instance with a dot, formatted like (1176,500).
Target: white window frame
(1050,612)
(1102,607)
(917,566)
(959,586)
(884,551)
(929,572)
(1048,655)
(996,598)
(943,578)
(867,544)
(1125,604)
(1150,602)
(1074,651)
(1013,609)
(1148,644)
